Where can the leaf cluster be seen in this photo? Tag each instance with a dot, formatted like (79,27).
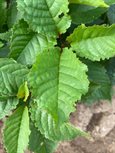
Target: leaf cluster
(53,53)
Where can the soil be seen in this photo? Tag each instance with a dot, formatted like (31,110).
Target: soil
(99,121)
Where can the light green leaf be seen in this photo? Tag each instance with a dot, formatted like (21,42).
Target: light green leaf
(23,91)
(6,105)
(57,80)
(1,44)
(95,3)
(93,42)
(25,45)
(49,17)
(38,143)
(16,131)
(45,122)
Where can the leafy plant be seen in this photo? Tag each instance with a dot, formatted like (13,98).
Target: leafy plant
(53,53)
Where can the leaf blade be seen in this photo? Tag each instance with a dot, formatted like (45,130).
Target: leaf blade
(95,3)
(18,127)
(93,42)
(46,18)
(26,45)
(39,144)
(62,78)
(47,125)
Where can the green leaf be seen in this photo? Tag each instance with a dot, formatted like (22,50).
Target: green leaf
(46,18)
(3,12)
(38,143)
(6,105)
(57,80)
(8,85)
(12,15)
(11,66)
(100,86)
(97,73)
(85,14)
(98,92)
(25,45)
(110,66)
(1,44)
(93,42)
(45,122)
(110,2)
(4,51)
(96,3)
(11,77)
(16,132)
(10,80)
(5,36)
(111,14)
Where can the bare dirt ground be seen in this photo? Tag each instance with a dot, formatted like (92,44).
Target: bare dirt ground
(99,121)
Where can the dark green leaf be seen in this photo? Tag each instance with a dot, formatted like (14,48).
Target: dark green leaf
(3,12)
(38,143)
(85,14)
(111,14)
(110,2)
(100,86)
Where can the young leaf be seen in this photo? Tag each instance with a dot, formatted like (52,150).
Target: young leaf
(45,122)
(94,42)
(6,105)
(49,17)
(16,131)
(38,143)
(23,91)
(96,3)
(25,45)
(57,80)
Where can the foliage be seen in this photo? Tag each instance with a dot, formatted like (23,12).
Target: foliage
(53,53)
